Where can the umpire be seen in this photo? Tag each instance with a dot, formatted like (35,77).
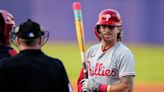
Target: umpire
(31,70)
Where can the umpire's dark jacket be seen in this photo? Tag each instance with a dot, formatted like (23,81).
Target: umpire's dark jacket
(32,71)
(6,51)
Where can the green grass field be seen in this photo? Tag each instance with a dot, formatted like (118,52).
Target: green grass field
(149,60)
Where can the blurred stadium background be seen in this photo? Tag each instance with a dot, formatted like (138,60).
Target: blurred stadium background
(143,26)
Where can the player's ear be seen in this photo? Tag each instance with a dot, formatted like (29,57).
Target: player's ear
(120,28)
(41,40)
(16,41)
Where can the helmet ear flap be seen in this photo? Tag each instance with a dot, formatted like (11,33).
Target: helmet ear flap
(98,28)
(2,23)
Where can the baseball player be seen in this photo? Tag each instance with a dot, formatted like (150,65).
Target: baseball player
(6,25)
(31,70)
(110,63)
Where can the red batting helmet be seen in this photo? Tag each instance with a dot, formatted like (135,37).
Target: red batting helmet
(6,25)
(108,17)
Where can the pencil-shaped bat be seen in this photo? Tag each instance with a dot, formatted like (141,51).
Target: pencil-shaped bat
(80,33)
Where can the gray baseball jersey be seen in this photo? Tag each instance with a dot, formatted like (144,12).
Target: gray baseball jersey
(107,67)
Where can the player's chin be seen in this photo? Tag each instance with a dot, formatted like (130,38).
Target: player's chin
(108,38)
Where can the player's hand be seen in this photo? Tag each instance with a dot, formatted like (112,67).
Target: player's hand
(90,84)
(84,89)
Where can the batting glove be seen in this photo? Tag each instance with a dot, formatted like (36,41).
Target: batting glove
(84,89)
(91,85)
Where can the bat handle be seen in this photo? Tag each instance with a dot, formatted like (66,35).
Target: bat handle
(85,90)
(85,75)
(85,70)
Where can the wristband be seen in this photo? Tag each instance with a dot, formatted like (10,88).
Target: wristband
(109,88)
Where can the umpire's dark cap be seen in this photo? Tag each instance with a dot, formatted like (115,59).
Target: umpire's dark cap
(29,30)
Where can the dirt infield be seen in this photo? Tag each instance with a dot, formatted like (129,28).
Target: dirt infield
(139,87)
(149,87)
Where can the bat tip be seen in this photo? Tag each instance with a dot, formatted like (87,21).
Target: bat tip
(76,6)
